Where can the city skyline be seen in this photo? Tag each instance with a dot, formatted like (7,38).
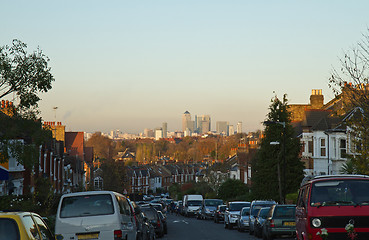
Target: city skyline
(132,65)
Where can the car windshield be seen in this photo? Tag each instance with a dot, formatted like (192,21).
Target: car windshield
(222,208)
(212,202)
(193,203)
(340,192)
(245,211)
(150,213)
(263,212)
(237,206)
(8,229)
(284,212)
(86,205)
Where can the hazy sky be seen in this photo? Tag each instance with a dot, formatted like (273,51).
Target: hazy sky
(131,65)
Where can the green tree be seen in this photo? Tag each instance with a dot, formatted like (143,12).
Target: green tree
(24,74)
(104,147)
(351,83)
(113,175)
(285,155)
(231,189)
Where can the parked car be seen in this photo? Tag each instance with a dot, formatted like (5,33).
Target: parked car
(154,218)
(243,221)
(163,219)
(331,202)
(256,205)
(260,220)
(219,213)
(208,208)
(280,221)
(145,230)
(232,212)
(23,226)
(80,215)
(191,204)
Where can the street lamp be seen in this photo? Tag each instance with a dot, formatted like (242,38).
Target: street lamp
(281,190)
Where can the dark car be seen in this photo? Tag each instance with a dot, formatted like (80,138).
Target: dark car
(163,219)
(256,205)
(208,208)
(154,218)
(145,230)
(260,220)
(219,213)
(280,221)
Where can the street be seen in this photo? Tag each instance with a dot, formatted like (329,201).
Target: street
(183,228)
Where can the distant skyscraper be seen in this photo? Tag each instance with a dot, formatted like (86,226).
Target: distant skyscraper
(149,133)
(239,127)
(222,128)
(186,119)
(165,130)
(158,133)
(230,130)
(204,124)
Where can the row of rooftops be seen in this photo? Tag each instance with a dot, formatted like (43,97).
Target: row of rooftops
(162,170)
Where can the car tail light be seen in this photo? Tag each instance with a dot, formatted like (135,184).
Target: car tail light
(272,223)
(158,223)
(118,235)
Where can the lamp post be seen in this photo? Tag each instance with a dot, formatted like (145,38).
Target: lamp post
(281,188)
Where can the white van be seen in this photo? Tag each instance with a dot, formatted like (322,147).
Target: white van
(102,215)
(192,204)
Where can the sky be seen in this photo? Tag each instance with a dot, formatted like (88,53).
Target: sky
(131,65)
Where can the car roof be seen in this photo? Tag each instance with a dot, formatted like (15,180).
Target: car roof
(14,213)
(90,193)
(311,179)
(239,202)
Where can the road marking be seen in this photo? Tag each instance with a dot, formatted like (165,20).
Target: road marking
(178,221)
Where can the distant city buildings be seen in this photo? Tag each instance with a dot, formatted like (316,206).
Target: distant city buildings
(239,127)
(199,126)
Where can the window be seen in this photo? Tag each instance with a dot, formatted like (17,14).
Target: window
(45,232)
(87,205)
(310,147)
(323,147)
(343,148)
(9,229)
(98,183)
(30,227)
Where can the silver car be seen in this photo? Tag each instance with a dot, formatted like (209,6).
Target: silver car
(243,222)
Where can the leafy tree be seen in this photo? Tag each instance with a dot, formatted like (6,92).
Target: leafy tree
(104,147)
(24,74)
(285,156)
(113,175)
(351,82)
(30,131)
(231,189)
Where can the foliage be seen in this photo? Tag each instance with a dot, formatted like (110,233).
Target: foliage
(104,147)
(113,175)
(232,189)
(265,177)
(24,74)
(189,149)
(26,151)
(43,201)
(351,83)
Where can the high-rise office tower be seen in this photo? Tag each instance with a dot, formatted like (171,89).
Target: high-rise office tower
(186,119)
(165,129)
(230,130)
(222,128)
(204,123)
(239,127)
